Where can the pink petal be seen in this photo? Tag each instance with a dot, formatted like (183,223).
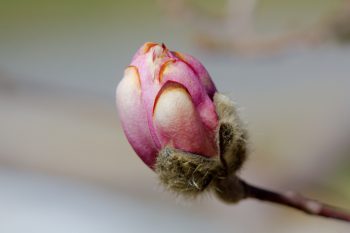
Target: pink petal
(200,70)
(133,116)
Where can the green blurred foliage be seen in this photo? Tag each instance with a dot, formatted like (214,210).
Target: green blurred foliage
(21,13)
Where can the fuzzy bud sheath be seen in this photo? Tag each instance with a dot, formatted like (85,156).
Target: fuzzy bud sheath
(179,125)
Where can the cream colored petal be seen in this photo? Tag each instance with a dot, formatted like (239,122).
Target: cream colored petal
(177,122)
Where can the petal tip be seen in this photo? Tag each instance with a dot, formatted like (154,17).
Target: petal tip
(147,46)
(163,68)
(132,73)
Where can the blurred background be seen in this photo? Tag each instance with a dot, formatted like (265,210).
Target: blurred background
(65,165)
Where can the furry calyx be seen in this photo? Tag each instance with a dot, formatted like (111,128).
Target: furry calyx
(191,174)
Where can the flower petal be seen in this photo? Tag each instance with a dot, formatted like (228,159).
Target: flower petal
(199,70)
(178,123)
(133,116)
(180,72)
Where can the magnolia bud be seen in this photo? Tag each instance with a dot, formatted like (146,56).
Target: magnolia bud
(166,99)
(190,134)
(176,121)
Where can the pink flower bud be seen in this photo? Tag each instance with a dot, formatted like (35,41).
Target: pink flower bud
(166,99)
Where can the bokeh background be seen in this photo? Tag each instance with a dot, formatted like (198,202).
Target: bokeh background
(65,165)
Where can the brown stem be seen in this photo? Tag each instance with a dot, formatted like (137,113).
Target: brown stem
(296,201)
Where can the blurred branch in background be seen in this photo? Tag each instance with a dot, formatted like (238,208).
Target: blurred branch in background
(234,26)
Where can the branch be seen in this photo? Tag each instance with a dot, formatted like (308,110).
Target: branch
(296,201)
